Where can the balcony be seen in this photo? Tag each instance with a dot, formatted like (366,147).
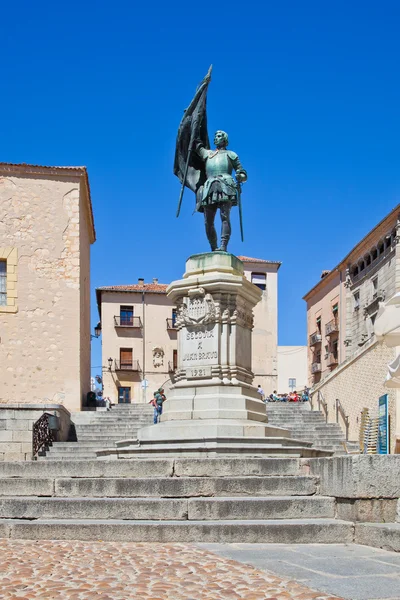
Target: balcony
(331,359)
(372,303)
(315,338)
(316,367)
(332,327)
(132,322)
(127,366)
(171,324)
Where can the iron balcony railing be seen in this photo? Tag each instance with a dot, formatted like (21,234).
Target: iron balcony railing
(331,359)
(171,324)
(127,321)
(316,367)
(332,327)
(127,366)
(315,338)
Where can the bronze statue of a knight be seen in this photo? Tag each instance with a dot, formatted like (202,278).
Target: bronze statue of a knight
(208,173)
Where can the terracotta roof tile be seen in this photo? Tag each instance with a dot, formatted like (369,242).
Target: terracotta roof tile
(258,260)
(155,288)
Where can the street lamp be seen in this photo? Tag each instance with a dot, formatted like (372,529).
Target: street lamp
(110,361)
(97,331)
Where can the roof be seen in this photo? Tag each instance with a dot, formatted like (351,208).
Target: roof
(154,288)
(259,260)
(346,260)
(47,170)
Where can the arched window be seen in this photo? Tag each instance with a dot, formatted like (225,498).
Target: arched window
(374,254)
(381,248)
(355,271)
(368,260)
(362,265)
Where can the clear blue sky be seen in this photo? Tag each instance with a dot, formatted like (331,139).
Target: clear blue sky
(309,93)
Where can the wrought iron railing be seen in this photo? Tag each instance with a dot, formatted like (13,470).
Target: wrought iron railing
(171,324)
(42,435)
(332,327)
(127,366)
(331,359)
(340,411)
(315,338)
(315,367)
(127,321)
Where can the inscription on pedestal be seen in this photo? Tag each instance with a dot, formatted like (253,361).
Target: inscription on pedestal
(200,346)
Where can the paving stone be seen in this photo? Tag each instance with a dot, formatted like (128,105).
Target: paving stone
(129,571)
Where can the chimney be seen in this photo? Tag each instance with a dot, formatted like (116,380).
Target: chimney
(141,281)
(155,279)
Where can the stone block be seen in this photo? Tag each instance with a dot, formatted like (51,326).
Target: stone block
(358,476)
(26,487)
(6,435)
(22,435)
(14,456)
(90,508)
(6,413)
(231,467)
(3,423)
(385,536)
(367,510)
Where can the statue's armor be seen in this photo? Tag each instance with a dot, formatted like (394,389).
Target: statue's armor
(218,191)
(220,186)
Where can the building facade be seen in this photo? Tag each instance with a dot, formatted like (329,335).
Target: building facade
(292,369)
(46,229)
(139,339)
(345,362)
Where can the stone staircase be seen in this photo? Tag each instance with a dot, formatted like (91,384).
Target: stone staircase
(308,425)
(179,500)
(246,500)
(97,430)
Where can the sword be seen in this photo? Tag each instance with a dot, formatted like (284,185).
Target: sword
(239,202)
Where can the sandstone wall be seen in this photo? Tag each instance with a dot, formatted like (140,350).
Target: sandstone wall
(40,343)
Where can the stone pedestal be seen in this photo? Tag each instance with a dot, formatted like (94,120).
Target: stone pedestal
(213,407)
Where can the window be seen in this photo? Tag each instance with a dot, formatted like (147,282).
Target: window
(3,283)
(318,357)
(126,315)
(292,383)
(335,309)
(368,260)
(355,271)
(388,241)
(381,248)
(374,254)
(362,265)
(175,359)
(260,280)
(356,297)
(124,395)
(173,317)
(125,357)
(335,349)
(318,324)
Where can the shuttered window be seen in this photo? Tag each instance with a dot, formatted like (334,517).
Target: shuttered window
(3,283)
(260,280)
(125,355)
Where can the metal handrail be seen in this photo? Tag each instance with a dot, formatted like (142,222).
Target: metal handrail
(315,338)
(171,324)
(321,401)
(332,326)
(125,366)
(42,435)
(340,409)
(135,322)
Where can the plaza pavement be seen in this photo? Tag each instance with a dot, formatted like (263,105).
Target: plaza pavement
(77,570)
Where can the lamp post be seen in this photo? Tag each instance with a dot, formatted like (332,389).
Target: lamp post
(97,331)
(110,361)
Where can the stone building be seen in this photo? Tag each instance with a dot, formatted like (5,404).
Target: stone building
(292,369)
(139,339)
(46,229)
(345,361)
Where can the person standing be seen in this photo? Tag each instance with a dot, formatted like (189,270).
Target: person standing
(261,392)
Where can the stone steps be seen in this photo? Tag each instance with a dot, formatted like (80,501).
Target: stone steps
(293,531)
(168,509)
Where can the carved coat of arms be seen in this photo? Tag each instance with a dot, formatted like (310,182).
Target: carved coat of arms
(197,309)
